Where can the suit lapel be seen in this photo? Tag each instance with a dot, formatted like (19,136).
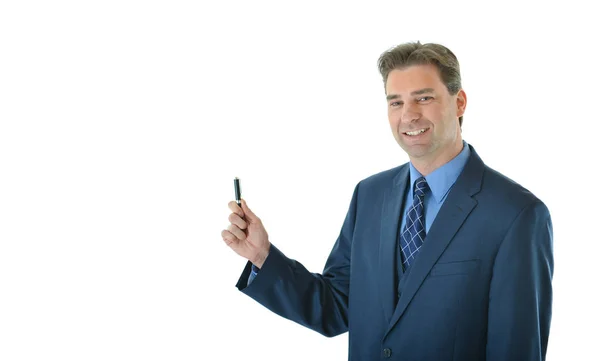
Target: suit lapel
(457,206)
(390,218)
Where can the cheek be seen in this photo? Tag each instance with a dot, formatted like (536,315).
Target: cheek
(435,110)
(394,124)
(394,115)
(437,115)
(392,119)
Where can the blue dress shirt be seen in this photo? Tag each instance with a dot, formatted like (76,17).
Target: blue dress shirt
(440,182)
(253,273)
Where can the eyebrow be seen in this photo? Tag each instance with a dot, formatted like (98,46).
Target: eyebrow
(416,92)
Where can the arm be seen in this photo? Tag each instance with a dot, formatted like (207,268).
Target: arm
(319,302)
(520,299)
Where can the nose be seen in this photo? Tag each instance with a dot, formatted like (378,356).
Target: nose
(410,113)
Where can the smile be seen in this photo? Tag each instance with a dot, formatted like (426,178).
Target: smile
(416,132)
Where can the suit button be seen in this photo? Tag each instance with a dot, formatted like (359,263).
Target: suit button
(387,353)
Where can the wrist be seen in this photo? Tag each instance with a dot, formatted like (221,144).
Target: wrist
(261,257)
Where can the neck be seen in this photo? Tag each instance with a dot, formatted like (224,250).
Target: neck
(427,165)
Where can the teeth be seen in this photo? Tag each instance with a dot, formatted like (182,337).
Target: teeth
(416,132)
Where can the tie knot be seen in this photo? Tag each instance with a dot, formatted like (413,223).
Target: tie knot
(421,187)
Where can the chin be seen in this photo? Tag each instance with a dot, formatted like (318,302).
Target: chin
(416,151)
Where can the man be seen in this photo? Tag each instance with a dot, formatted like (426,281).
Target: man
(441,258)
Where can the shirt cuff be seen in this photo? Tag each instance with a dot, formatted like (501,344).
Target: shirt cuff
(253,273)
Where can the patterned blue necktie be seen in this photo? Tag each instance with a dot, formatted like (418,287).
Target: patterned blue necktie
(413,233)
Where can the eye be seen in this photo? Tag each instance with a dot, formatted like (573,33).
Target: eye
(423,99)
(395,104)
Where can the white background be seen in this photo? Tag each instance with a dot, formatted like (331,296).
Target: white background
(123,124)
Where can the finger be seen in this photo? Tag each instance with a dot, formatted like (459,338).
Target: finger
(238,221)
(238,233)
(235,208)
(229,238)
(250,216)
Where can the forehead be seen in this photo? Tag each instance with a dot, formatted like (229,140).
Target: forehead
(413,78)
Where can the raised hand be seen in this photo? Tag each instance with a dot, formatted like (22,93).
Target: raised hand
(246,234)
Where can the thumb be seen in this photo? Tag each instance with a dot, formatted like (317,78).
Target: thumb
(250,216)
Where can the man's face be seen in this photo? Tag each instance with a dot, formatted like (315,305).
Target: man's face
(423,115)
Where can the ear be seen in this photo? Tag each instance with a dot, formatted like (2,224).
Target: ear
(461,103)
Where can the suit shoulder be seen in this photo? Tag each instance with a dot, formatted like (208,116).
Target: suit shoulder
(506,192)
(383,177)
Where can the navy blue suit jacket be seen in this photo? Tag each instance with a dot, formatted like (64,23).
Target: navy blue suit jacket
(480,288)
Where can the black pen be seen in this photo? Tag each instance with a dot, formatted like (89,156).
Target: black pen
(238,191)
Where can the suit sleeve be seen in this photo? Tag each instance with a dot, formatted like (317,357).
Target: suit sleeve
(520,299)
(316,301)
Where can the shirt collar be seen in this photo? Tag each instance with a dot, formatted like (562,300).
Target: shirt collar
(441,180)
